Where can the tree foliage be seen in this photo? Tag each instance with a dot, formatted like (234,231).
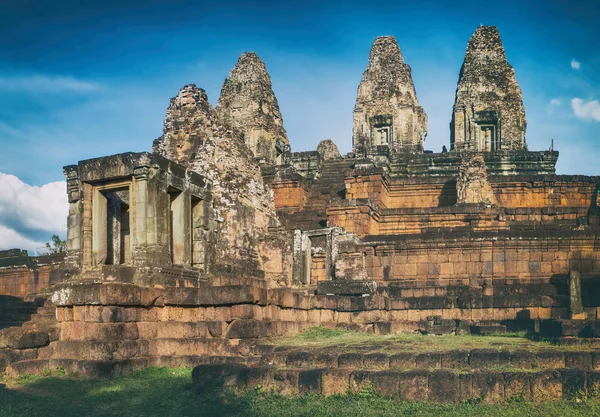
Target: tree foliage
(57,245)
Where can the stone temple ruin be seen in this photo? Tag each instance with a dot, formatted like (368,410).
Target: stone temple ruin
(191,255)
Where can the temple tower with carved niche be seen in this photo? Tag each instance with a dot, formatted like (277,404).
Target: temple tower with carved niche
(248,103)
(387,111)
(488,113)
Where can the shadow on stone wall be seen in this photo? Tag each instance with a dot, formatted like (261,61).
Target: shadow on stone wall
(448,196)
(14,311)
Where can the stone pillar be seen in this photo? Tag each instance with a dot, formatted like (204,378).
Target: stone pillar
(113,231)
(297,274)
(73,258)
(141,202)
(575,303)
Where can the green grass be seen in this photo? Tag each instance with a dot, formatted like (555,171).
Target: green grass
(322,338)
(168,392)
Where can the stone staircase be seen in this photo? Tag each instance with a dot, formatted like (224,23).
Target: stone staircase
(329,186)
(15,311)
(27,340)
(488,375)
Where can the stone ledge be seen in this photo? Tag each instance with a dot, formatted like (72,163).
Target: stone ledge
(346,287)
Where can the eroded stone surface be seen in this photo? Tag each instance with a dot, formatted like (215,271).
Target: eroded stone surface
(328,150)
(488,110)
(194,135)
(472,186)
(387,111)
(248,103)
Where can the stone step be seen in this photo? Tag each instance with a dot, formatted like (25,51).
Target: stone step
(17,316)
(438,385)
(94,350)
(28,365)
(452,359)
(23,338)
(8,356)
(488,329)
(79,367)
(7,324)
(46,311)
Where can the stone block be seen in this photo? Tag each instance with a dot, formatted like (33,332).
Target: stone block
(550,359)
(310,381)
(403,360)
(578,360)
(205,376)
(488,385)
(523,359)
(246,329)
(546,386)
(483,358)
(593,382)
(335,381)
(465,384)
(574,382)
(443,386)
(386,383)
(517,386)
(346,287)
(325,359)
(350,360)
(428,360)
(454,359)
(286,381)
(110,331)
(359,379)
(299,359)
(376,360)
(413,385)
(19,338)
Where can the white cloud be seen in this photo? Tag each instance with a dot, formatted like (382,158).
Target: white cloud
(28,212)
(555,102)
(586,110)
(48,84)
(576,65)
(10,239)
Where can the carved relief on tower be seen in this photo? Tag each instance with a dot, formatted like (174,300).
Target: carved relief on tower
(387,111)
(488,112)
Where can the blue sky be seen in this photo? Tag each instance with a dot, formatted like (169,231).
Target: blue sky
(85,79)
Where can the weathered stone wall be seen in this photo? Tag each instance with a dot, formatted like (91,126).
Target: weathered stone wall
(22,275)
(472,185)
(534,192)
(387,111)
(482,255)
(488,112)
(247,103)
(328,150)
(290,189)
(242,203)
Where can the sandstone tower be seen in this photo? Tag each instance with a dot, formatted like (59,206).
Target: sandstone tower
(387,111)
(488,112)
(195,137)
(247,103)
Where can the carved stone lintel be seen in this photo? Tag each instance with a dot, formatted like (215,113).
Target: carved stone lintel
(141,173)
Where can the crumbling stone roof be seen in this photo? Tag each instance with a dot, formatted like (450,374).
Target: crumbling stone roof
(386,89)
(328,150)
(387,76)
(487,82)
(248,103)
